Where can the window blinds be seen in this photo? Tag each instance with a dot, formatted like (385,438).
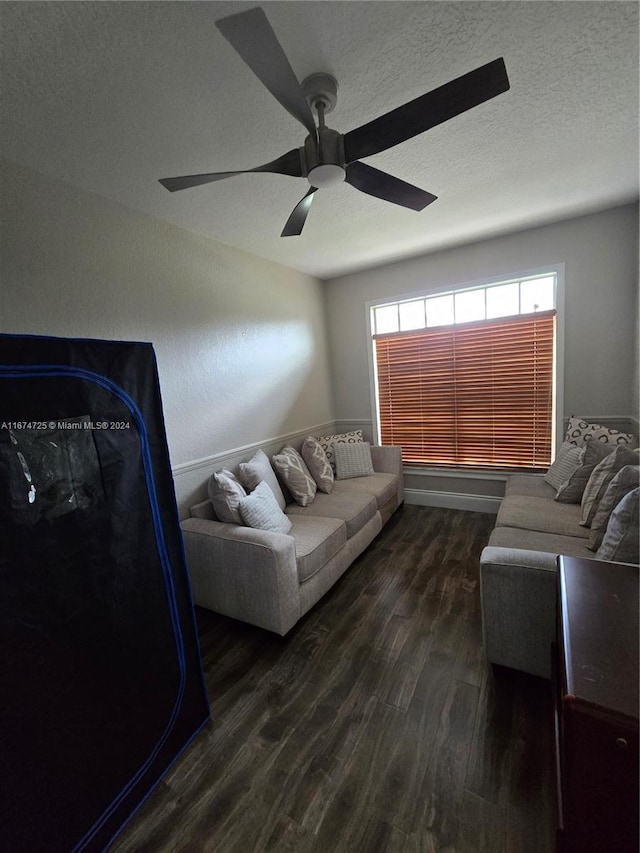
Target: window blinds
(475,395)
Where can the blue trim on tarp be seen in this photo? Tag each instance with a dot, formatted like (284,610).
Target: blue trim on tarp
(39,371)
(155,784)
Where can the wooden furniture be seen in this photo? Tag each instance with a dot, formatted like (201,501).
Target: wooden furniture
(596,706)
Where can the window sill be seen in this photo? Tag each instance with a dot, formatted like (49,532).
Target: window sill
(500,475)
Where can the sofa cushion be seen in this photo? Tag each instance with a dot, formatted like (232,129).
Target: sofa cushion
(600,478)
(580,431)
(317,463)
(620,541)
(316,540)
(328,441)
(351,507)
(532,485)
(353,460)
(541,514)
(382,486)
(260,509)
(293,472)
(536,540)
(625,480)
(225,494)
(257,470)
(572,489)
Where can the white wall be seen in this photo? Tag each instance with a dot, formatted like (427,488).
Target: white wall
(600,254)
(240,342)
(636,373)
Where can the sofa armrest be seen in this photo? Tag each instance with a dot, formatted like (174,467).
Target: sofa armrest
(244,573)
(387,459)
(518,596)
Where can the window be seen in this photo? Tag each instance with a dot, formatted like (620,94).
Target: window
(472,385)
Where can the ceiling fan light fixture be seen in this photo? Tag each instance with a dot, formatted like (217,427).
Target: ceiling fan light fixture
(326,175)
(328,158)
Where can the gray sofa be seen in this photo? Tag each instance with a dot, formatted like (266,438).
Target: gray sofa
(272,579)
(518,573)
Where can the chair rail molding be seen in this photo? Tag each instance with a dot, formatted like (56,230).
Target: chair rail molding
(191,478)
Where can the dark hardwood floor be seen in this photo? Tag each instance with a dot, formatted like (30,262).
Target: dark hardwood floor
(375,726)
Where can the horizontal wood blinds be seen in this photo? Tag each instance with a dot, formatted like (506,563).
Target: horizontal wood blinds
(471,395)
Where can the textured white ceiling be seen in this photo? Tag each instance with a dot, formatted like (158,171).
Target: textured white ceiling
(112,96)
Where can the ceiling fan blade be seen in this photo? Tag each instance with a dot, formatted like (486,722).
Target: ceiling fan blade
(427,111)
(295,223)
(374,182)
(289,164)
(251,36)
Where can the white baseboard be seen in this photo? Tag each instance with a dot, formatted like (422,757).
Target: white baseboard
(451,500)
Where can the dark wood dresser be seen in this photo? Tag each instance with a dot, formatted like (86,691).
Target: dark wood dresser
(596,706)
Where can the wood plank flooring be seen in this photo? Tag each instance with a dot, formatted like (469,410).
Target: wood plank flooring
(375,726)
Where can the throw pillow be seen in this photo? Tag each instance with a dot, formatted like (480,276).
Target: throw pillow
(258,470)
(328,442)
(564,465)
(627,479)
(260,509)
(571,491)
(353,460)
(318,464)
(225,493)
(295,475)
(621,538)
(580,432)
(601,476)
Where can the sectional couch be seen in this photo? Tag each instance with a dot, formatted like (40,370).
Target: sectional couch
(537,522)
(270,578)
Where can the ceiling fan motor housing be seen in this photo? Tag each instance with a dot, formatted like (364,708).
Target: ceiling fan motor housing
(325,162)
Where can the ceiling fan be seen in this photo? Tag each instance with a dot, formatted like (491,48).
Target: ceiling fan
(327,157)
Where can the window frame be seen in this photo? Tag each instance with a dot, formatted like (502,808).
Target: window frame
(443,288)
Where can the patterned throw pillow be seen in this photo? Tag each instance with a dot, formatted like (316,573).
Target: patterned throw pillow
(295,475)
(258,470)
(353,460)
(601,476)
(260,509)
(580,432)
(225,493)
(571,491)
(627,479)
(318,464)
(328,442)
(621,538)
(564,465)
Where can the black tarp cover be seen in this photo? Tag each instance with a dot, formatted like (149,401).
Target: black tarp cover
(100,677)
